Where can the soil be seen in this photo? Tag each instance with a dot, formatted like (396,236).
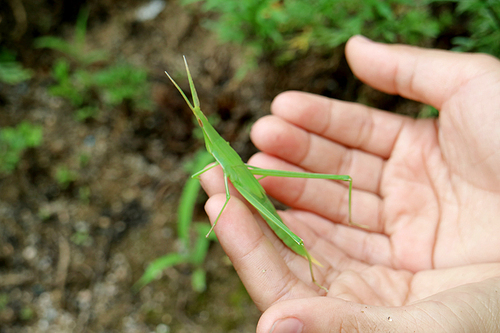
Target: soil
(68,260)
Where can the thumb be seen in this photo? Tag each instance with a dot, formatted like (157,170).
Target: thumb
(326,314)
(471,306)
(428,76)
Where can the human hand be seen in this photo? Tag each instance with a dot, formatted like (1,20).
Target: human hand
(429,190)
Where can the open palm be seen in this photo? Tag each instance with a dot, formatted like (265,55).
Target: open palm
(428,191)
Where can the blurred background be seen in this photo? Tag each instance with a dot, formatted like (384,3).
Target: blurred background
(101,229)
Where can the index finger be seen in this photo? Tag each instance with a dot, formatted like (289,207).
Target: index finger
(256,256)
(350,124)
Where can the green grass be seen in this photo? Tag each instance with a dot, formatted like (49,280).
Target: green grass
(191,235)
(11,71)
(482,19)
(285,29)
(14,141)
(88,81)
(76,49)
(64,176)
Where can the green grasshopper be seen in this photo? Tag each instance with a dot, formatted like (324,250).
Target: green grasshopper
(242,177)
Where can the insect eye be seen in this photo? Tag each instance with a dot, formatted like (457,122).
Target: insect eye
(200,123)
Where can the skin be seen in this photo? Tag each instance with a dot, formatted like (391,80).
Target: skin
(429,191)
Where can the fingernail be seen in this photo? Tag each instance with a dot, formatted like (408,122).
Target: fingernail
(287,325)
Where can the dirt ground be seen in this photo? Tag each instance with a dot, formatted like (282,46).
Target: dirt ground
(68,264)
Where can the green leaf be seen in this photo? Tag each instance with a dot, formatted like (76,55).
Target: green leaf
(189,195)
(157,266)
(65,176)
(428,111)
(200,250)
(86,112)
(199,280)
(54,43)
(14,141)
(76,49)
(12,72)
(81,28)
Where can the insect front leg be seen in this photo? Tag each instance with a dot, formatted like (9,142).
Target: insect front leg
(228,196)
(208,167)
